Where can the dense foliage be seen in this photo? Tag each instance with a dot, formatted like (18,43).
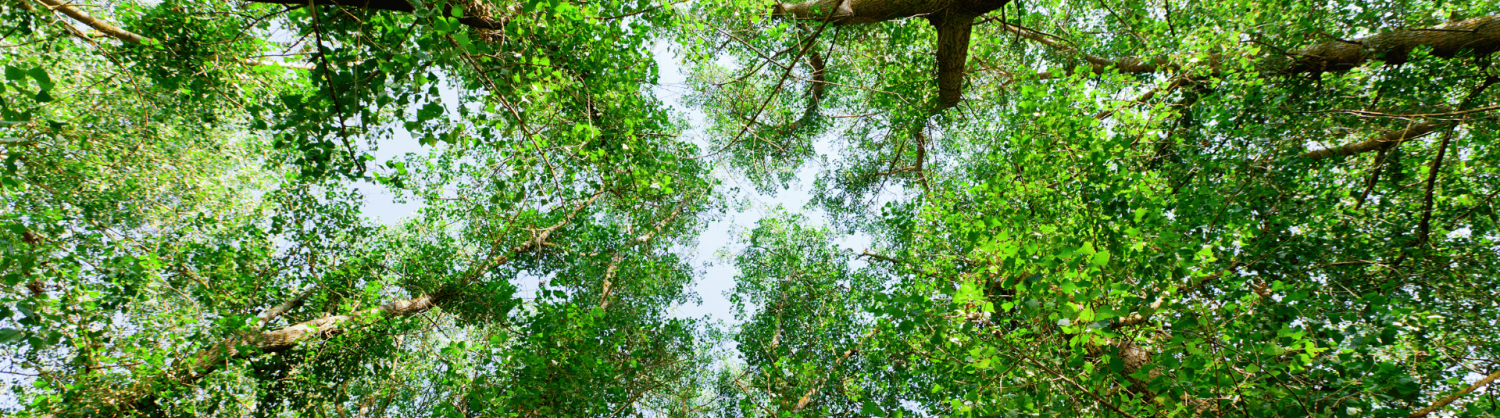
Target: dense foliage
(1132,208)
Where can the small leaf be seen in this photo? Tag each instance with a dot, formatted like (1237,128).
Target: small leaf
(41,78)
(9,336)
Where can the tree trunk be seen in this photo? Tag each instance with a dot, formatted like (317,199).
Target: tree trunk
(953,20)
(952,55)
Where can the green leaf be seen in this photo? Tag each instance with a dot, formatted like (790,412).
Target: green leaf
(40,75)
(1100,259)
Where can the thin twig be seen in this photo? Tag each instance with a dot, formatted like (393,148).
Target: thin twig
(332,90)
(779,85)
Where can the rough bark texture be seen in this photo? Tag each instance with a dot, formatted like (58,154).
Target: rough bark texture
(1380,143)
(952,55)
(853,12)
(1479,35)
(953,19)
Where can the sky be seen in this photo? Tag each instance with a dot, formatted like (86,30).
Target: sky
(717,274)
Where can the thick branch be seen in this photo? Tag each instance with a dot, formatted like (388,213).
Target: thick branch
(853,12)
(1480,35)
(1380,143)
(271,314)
(952,55)
(953,20)
(1424,226)
(209,360)
(99,25)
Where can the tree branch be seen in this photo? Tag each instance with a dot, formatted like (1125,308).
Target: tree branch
(99,25)
(1425,225)
(1091,393)
(1480,35)
(209,360)
(1450,398)
(271,314)
(1379,143)
(134,38)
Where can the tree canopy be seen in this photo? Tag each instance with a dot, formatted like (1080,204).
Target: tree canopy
(1113,208)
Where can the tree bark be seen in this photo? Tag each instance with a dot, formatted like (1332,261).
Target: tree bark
(1480,35)
(84,18)
(854,12)
(953,19)
(1379,143)
(952,56)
